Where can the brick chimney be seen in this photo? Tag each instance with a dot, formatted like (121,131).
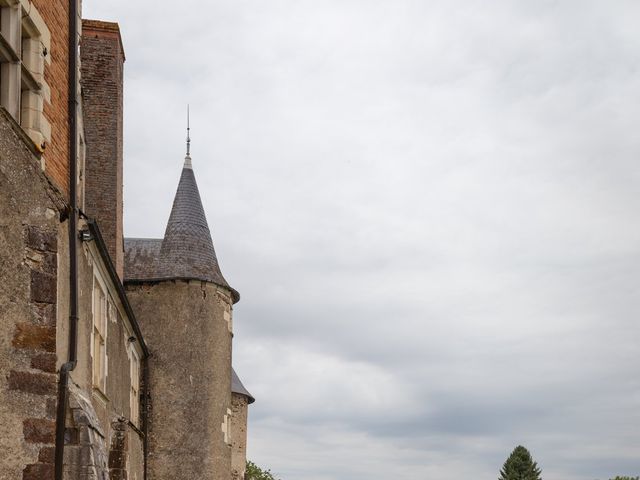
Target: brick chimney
(102,60)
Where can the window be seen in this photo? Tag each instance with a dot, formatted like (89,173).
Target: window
(134,398)
(24,52)
(99,337)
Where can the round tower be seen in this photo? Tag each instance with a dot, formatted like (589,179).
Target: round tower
(240,401)
(184,306)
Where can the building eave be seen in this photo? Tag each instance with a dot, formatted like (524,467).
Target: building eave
(235,295)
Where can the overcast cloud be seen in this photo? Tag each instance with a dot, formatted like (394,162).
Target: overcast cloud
(431,211)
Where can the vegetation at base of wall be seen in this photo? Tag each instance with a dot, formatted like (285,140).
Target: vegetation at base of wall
(625,478)
(254,472)
(520,466)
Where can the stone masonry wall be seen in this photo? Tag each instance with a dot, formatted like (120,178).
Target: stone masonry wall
(103,439)
(55,13)
(188,334)
(30,212)
(102,60)
(239,409)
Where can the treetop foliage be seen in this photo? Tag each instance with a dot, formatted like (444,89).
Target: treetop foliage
(520,466)
(254,472)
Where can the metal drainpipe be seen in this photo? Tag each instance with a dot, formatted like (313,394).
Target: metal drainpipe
(66,368)
(145,416)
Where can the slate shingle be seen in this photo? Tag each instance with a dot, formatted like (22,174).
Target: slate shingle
(238,387)
(187,251)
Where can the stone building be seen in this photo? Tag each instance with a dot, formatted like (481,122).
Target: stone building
(240,401)
(175,285)
(110,367)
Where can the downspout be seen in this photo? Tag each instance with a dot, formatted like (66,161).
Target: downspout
(145,414)
(67,367)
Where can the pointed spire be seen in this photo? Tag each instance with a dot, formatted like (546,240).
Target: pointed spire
(187,158)
(187,248)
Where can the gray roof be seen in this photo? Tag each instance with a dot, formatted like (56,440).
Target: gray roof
(186,252)
(238,387)
(141,257)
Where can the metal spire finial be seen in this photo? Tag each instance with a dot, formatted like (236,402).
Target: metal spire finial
(187,159)
(188,131)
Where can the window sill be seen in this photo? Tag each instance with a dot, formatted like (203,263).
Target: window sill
(100,396)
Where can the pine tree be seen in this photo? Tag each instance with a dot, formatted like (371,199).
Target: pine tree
(254,472)
(520,466)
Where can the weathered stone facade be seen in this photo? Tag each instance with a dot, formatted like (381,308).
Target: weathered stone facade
(34,334)
(185,307)
(30,211)
(101,420)
(240,401)
(185,326)
(239,412)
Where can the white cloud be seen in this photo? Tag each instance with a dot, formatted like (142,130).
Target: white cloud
(430,209)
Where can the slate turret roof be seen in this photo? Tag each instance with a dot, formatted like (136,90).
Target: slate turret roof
(238,387)
(186,251)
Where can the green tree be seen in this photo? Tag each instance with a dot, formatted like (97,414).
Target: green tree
(254,472)
(520,466)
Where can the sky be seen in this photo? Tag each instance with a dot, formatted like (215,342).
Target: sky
(430,209)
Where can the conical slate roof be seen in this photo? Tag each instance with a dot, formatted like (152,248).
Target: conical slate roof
(187,249)
(238,387)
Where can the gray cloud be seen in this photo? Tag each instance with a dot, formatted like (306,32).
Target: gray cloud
(430,209)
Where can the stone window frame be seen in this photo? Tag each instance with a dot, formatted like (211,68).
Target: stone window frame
(226,427)
(116,315)
(134,390)
(99,330)
(25,46)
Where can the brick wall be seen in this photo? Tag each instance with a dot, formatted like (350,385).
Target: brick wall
(55,13)
(102,60)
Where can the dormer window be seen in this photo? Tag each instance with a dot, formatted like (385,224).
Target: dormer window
(24,54)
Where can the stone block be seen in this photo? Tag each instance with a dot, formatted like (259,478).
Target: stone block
(38,471)
(44,313)
(86,456)
(49,263)
(52,404)
(47,455)
(45,362)
(39,430)
(117,474)
(45,262)
(43,287)
(41,239)
(36,383)
(35,337)
(71,437)
(117,459)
